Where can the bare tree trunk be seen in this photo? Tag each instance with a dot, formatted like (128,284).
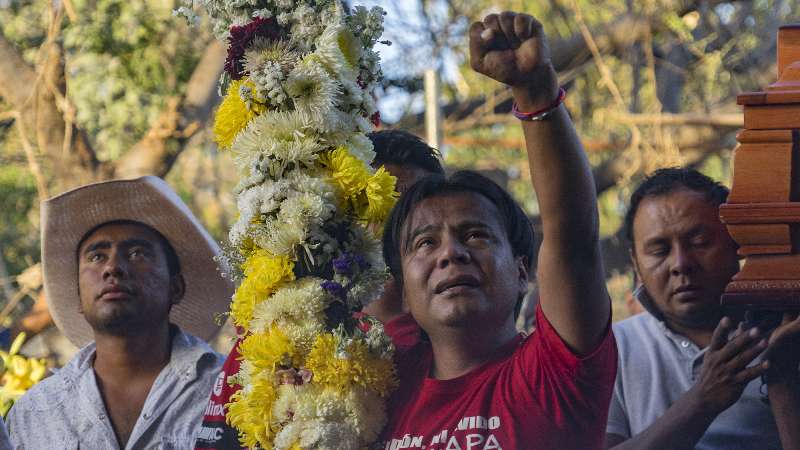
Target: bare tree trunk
(157,151)
(42,104)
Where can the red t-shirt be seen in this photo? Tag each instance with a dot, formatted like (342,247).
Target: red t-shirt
(403,330)
(215,432)
(536,394)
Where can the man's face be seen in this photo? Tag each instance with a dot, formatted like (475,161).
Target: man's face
(124,279)
(684,256)
(457,263)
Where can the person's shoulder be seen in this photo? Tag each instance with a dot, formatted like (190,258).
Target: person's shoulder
(641,330)
(189,347)
(635,326)
(45,395)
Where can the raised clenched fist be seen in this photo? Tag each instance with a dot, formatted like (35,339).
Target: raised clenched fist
(512,49)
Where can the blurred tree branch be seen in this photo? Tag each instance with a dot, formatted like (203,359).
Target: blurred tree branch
(48,118)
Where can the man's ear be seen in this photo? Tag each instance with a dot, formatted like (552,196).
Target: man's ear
(177,288)
(522,270)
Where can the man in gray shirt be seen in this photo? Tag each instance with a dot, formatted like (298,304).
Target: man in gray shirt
(686,378)
(130,276)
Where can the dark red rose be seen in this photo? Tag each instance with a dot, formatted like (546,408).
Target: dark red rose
(242,36)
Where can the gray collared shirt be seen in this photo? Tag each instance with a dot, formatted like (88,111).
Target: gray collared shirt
(66,410)
(658,366)
(5,441)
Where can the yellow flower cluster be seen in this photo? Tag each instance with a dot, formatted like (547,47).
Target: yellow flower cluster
(295,125)
(235,113)
(372,195)
(381,197)
(268,350)
(357,366)
(19,374)
(264,273)
(348,172)
(250,412)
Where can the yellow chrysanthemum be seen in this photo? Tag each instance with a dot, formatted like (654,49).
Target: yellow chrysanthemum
(349,173)
(251,414)
(357,367)
(381,196)
(19,374)
(235,113)
(267,350)
(263,273)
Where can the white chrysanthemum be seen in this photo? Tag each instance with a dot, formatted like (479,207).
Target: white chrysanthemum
(367,288)
(304,208)
(379,342)
(285,404)
(370,67)
(263,13)
(364,243)
(313,91)
(368,105)
(297,214)
(308,23)
(264,50)
(339,50)
(278,126)
(321,420)
(329,435)
(366,412)
(262,199)
(361,147)
(244,376)
(305,181)
(352,95)
(303,334)
(279,238)
(298,308)
(259,142)
(283,18)
(268,62)
(338,126)
(362,124)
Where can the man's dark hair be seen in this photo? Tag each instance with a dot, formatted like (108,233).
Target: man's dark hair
(403,149)
(516,224)
(665,181)
(173,262)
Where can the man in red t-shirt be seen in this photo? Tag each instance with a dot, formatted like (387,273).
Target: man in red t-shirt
(460,249)
(409,159)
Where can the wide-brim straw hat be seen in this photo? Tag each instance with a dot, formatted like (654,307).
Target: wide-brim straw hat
(149,200)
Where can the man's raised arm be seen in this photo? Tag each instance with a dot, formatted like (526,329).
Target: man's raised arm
(512,48)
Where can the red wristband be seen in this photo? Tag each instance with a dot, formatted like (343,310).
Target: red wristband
(542,113)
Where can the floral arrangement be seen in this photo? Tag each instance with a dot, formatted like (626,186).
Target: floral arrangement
(297,105)
(18,374)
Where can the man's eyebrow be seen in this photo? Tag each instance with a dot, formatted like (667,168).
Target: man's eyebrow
(697,229)
(417,232)
(99,245)
(655,242)
(128,243)
(472,224)
(105,245)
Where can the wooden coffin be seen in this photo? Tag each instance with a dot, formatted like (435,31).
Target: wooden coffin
(763,210)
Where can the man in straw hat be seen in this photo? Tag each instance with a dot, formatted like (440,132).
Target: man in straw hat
(131,278)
